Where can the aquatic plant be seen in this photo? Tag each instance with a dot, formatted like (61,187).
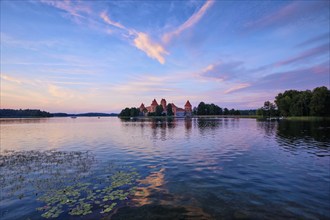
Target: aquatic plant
(81,198)
(63,181)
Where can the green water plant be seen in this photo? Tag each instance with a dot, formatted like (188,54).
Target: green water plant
(83,198)
(66,183)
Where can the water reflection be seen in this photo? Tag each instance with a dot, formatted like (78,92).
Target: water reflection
(229,168)
(318,130)
(22,120)
(295,135)
(63,183)
(153,200)
(269,127)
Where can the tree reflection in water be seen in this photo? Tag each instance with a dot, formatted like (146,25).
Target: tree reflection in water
(294,135)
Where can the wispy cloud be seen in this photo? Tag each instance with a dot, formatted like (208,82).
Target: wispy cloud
(153,50)
(146,84)
(298,59)
(237,87)
(10,79)
(156,50)
(300,78)
(190,22)
(9,40)
(73,8)
(285,15)
(107,20)
(224,70)
(313,40)
(142,41)
(308,54)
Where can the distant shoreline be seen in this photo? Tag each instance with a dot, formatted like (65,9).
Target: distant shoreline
(36,113)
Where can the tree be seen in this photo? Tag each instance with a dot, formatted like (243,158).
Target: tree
(195,111)
(159,110)
(225,111)
(125,112)
(201,109)
(269,108)
(208,109)
(320,102)
(260,112)
(129,112)
(284,102)
(134,112)
(304,103)
(232,111)
(169,110)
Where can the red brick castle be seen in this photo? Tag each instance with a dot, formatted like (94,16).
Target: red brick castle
(179,112)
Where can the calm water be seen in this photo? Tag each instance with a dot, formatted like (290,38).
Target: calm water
(188,169)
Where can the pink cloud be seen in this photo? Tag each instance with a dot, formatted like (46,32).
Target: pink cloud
(141,40)
(288,13)
(107,20)
(9,78)
(153,50)
(70,7)
(237,87)
(317,51)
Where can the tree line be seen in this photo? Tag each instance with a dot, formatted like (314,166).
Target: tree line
(12,113)
(212,109)
(298,103)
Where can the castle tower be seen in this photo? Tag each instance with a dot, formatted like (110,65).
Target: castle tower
(142,107)
(188,107)
(153,105)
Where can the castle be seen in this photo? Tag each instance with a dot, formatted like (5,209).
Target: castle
(178,112)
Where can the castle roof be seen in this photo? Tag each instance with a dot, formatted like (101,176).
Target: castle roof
(154,103)
(142,106)
(163,100)
(187,104)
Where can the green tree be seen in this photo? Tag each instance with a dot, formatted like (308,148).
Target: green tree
(159,110)
(269,109)
(169,110)
(201,109)
(232,111)
(134,112)
(237,112)
(195,111)
(284,102)
(129,112)
(304,103)
(260,112)
(208,109)
(125,112)
(320,102)
(225,111)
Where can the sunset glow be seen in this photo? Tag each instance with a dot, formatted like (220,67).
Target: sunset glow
(102,56)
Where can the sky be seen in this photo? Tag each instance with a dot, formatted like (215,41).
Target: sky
(103,56)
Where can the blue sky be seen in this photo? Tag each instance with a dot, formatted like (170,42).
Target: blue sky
(101,56)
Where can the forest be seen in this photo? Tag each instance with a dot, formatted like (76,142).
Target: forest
(298,103)
(26,113)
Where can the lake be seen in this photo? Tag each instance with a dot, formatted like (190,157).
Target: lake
(213,168)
